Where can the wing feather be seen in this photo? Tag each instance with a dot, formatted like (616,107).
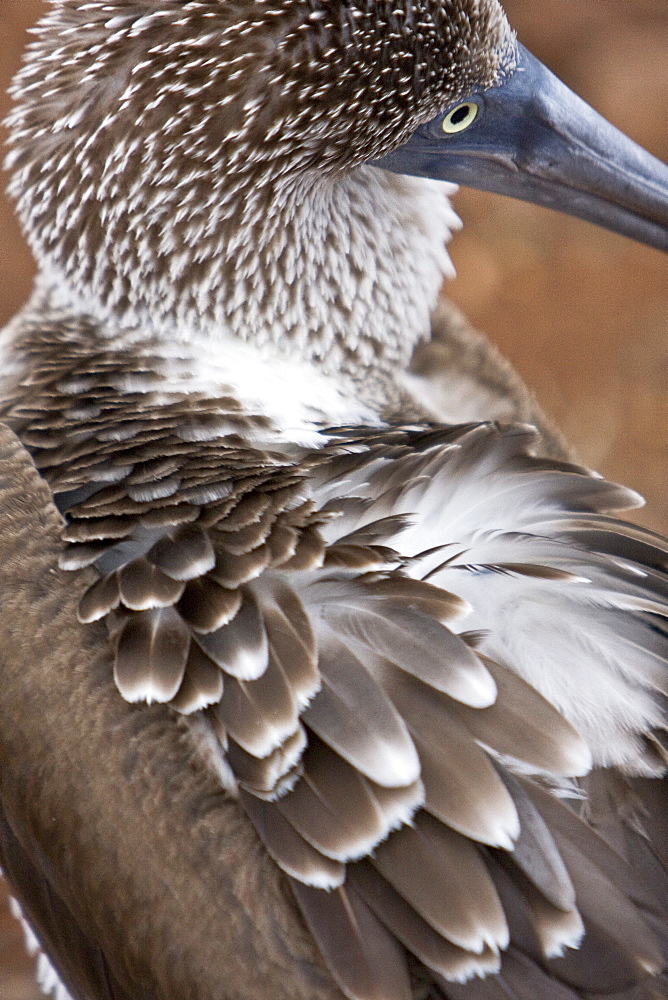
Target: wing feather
(310,602)
(415,933)
(202,683)
(364,957)
(336,809)
(376,741)
(522,724)
(443,877)
(240,647)
(207,606)
(259,714)
(462,787)
(290,851)
(142,586)
(151,655)
(185,553)
(418,644)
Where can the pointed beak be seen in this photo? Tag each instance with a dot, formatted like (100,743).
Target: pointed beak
(532,138)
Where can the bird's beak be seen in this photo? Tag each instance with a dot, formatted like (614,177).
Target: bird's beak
(532,138)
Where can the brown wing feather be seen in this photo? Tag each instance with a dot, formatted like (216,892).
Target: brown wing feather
(288,848)
(520,979)
(442,875)
(462,787)
(417,934)
(364,956)
(335,808)
(151,655)
(376,741)
(295,593)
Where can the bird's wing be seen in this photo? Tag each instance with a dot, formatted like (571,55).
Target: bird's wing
(360,637)
(110,815)
(29,525)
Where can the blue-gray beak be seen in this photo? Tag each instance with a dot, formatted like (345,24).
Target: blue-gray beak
(532,138)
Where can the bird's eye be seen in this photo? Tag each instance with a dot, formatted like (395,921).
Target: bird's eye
(460,117)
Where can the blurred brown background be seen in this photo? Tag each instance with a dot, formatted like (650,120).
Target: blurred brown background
(583,314)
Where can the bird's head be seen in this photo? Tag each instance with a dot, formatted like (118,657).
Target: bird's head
(204,159)
(297,84)
(196,162)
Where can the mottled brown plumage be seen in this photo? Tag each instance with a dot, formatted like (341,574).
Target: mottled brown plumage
(298,690)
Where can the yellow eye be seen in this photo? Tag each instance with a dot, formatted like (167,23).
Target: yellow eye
(460,117)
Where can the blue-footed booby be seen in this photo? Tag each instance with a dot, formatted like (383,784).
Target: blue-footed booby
(314,683)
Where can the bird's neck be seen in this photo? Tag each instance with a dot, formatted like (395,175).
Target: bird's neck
(340,275)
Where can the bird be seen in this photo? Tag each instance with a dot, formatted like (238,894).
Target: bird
(323,675)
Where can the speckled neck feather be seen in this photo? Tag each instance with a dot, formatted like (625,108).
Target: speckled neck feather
(197,169)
